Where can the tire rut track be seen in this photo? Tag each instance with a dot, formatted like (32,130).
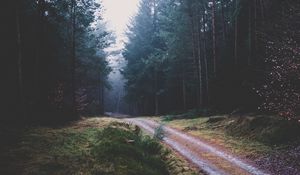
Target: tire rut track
(204,156)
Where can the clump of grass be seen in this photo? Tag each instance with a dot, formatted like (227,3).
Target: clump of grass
(115,150)
(159,133)
(167,118)
(128,153)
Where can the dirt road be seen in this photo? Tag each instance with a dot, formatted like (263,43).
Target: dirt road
(204,156)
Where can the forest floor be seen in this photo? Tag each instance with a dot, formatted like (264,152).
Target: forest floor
(105,146)
(232,145)
(115,146)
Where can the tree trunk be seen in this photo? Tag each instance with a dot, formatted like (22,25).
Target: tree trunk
(254,30)
(236,35)
(182,61)
(73,57)
(20,67)
(156,105)
(100,94)
(223,22)
(196,61)
(184,93)
(250,32)
(119,101)
(214,36)
(205,59)
(39,50)
(156,95)
(102,99)
(262,10)
(199,70)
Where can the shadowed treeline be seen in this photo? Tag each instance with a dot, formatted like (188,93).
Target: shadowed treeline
(56,64)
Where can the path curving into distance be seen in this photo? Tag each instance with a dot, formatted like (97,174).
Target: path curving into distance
(203,155)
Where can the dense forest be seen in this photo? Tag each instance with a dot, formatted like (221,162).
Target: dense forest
(211,55)
(57,65)
(152,87)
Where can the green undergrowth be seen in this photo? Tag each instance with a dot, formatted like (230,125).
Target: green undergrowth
(115,150)
(250,135)
(91,147)
(191,114)
(269,130)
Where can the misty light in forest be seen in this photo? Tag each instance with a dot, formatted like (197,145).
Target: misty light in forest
(118,17)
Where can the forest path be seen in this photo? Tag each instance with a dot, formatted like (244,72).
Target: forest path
(206,157)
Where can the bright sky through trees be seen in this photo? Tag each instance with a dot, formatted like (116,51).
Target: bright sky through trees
(118,13)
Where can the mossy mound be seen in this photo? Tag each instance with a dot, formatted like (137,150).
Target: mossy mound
(113,148)
(267,129)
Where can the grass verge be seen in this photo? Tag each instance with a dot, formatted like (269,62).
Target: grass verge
(96,146)
(250,136)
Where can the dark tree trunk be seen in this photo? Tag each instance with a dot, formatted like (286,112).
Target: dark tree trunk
(262,10)
(199,69)
(156,95)
(195,59)
(39,52)
(184,93)
(20,58)
(214,36)
(102,99)
(223,22)
(73,57)
(250,32)
(236,35)
(205,59)
(254,30)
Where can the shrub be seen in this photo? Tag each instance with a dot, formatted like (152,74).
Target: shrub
(159,132)
(124,148)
